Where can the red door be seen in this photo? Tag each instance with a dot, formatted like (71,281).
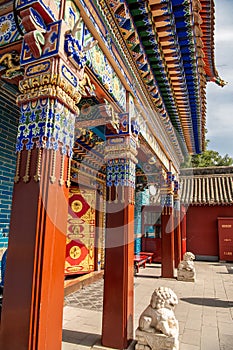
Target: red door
(225,234)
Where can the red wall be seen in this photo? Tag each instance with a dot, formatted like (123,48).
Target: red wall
(202,228)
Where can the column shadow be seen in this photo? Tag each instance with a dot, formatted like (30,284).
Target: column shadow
(212,302)
(80,338)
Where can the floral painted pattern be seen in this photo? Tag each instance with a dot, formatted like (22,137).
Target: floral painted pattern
(47,124)
(98,62)
(8,29)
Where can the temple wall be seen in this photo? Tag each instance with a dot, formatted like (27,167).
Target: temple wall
(9,115)
(202,230)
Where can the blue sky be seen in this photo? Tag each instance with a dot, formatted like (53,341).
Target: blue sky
(220,100)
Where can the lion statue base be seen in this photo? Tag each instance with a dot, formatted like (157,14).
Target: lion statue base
(158,328)
(186,270)
(155,341)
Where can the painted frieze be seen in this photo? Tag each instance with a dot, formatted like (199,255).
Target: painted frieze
(82,49)
(48,9)
(99,64)
(8,29)
(93,114)
(10,65)
(50,78)
(167,190)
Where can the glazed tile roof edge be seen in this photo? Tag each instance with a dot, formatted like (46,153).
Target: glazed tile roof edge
(195,100)
(207,170)
(207,13)
(185,25)
(172,55)
(150,37)
(208,38)
(158,101)
(207,186)
(171,148)
(168,126)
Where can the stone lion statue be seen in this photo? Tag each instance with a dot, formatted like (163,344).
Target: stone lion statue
(159,315)
(186,270)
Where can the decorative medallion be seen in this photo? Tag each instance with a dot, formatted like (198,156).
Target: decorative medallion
(76,206)
(8,29)
(80,231)
(75,252)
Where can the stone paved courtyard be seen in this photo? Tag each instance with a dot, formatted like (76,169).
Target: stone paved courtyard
(89,298)
(204,312)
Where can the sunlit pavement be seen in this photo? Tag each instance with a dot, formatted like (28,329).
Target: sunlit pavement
(204,312)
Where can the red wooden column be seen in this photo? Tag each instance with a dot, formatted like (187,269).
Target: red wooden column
(117,325)
(167,242)
(34,284)
(167,227)
(177,226)
(177,237)
(183,230)
(117,330)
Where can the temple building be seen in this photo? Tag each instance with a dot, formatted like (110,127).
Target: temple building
(101,101)
(207,194)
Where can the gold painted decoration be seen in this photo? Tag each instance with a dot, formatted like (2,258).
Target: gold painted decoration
(61,180)
(50,77)
(47,85)
(18,161)
(37,176)
(76,206)
(26,176)
(80,241)
(10,65)
(122,194)
(52,176)
(75,252)
(68,182)
(109,194)
(85,86)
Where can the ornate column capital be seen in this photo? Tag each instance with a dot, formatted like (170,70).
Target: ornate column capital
(46,74)
(176,195)
(121,154)
(166,199)
(51,88)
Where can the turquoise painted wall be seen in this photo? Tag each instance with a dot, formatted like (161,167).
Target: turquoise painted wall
(141,198)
